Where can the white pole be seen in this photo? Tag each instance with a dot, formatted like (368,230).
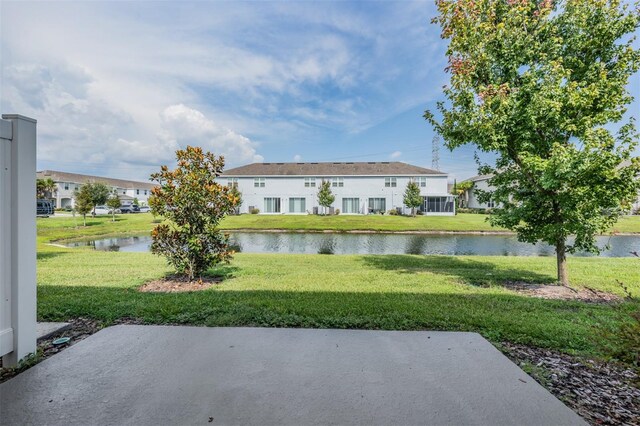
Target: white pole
(23,237)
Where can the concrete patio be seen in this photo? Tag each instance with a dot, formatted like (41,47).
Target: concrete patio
(155,375)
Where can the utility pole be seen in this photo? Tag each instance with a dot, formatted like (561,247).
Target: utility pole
(435,153)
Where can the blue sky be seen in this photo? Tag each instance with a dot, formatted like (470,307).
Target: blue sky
(118,86)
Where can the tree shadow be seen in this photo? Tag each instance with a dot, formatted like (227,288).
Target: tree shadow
(469,271)
(498,317)
(43,255)
(219,273)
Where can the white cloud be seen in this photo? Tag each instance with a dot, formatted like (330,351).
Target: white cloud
(395,155)
(182,126)
(297,158)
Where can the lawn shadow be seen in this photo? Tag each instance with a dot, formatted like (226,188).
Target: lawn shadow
(470,271)
(43,255)
(219,273)
(496,316)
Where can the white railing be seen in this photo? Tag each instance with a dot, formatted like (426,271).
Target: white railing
(17,238)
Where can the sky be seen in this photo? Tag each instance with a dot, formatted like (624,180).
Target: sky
(118,86)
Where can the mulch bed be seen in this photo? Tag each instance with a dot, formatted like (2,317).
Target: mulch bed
(601,393)
(178,285)
(559,292)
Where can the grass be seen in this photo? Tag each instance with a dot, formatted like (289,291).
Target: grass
(367,292)
(58,228)
(401,292)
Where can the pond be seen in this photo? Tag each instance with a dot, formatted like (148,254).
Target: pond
(314,243)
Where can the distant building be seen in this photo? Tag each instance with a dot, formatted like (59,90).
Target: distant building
(470,199)
(67,183)
(481,182)
(359,187)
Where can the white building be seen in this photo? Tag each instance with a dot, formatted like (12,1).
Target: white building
(470,198)
(359,188)
(68,183)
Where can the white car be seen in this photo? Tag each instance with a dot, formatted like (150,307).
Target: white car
(103,210)
(145,209)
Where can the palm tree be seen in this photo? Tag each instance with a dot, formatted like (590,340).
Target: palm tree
(45,188)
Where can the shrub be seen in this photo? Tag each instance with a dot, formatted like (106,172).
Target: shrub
(193,203)
(254,211)
(337,211)
(393,212)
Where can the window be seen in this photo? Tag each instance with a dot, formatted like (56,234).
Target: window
(145,192)
(337,182)
(258,182)
(438,204)
(137,192)
(390,182)
(310,182)
(421,181)
(491,204)
(350,205)
(377,205)
(272,205)
(66,186)
(232,182)
(297,205)
(124,192)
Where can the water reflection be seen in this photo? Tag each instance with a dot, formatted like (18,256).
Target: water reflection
(486,245)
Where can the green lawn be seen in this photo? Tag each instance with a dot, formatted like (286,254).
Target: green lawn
(373,292)
(380,292)
(58,228)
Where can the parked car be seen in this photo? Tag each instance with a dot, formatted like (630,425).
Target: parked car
(130,208)
(145,209)
(104,210)
(44,208)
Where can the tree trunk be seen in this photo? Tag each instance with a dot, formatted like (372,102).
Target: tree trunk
(561,257)
(84,219)
(413,211)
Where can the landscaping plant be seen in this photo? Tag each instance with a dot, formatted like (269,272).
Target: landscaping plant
(113,202)
(193,203)
(538,83)
(412,197)
(325,196)
(83,202)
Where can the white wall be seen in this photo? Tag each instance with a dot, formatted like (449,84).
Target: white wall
(472,198)
(17,238)
(362,187)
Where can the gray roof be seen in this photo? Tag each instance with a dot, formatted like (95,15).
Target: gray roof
(384,168)
(479,177)
(80,178)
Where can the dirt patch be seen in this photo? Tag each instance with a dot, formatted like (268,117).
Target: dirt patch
(602,393)
(559,292)
(178,285)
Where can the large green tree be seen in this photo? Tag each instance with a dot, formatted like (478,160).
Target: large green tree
(193,204)
(538,83)
(99,192)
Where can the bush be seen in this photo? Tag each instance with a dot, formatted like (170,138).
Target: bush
(254,211)
(393,212)
(193,203)
(337,211)
(474,210)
